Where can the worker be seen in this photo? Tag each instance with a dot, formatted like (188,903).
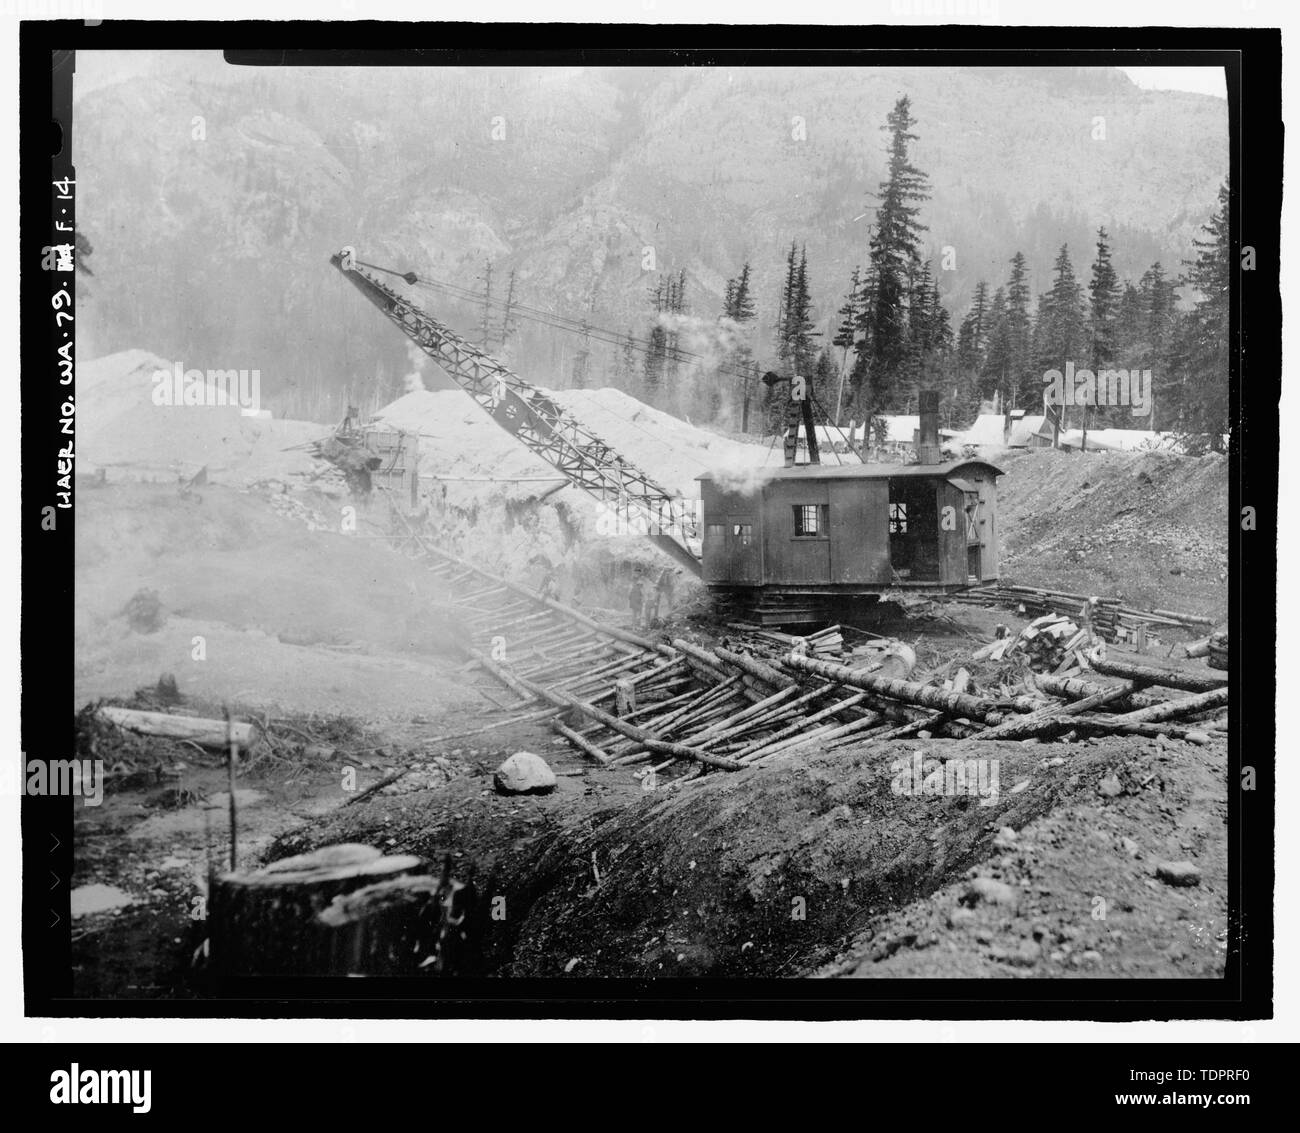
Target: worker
(551,585)
(662,601)
(636,601)
(1087,616)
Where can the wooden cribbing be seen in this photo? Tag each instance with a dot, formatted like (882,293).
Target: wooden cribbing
(801,725)
(646,739)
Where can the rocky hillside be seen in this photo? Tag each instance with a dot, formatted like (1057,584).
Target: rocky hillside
(213,196)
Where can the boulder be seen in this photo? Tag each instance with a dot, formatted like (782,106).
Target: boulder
(1178,873)
(990,891)
(524,774)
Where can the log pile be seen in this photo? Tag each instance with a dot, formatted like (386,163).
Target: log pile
(1112,620)
(1048,643)
(828,642)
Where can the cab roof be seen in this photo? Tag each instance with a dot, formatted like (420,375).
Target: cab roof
(857,471)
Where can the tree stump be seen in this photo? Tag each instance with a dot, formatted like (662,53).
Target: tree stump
(403,926)
(267,923)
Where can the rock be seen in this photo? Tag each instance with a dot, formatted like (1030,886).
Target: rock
(990,891)
(98,898)
(1130,847)
(524,774)
(1178,873)
(1197,738)
(1110,786)
(1025,955)
(960,916)
(1006,837)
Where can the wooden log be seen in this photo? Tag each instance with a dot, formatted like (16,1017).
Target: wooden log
(624,697)
(743,720)
(1172,709)
(654,743)
(756,669)
(1072,688)
(525,718)
(1056,717)
(1166,678)
(903,731)
(197,729)
(582,743)
(802,723)
(1190,619)
(713,661)
(265,923)
(959,703)
(826,737)
(1116,725)
(502,675)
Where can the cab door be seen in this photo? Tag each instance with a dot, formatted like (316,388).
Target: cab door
(744,560)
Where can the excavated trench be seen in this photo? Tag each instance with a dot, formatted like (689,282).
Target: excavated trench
(762,873)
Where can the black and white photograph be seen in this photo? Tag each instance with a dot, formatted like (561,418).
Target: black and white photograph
(632,522)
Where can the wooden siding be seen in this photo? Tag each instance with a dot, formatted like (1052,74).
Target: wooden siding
(859,532)
(788,558)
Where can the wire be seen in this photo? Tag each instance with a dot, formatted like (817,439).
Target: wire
(559,322)
(599,334)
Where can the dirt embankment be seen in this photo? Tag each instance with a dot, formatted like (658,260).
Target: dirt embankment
(1149,527)
(774,872)
(1079,891)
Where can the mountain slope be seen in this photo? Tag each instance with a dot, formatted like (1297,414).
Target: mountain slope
(214,195)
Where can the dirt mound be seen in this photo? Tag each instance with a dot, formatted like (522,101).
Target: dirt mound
(122,429)
(464,441)
(1149,527)
(493,501)
(761,873)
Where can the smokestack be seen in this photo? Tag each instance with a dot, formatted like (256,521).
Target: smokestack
(927,439)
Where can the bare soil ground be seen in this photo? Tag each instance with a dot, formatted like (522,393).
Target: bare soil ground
(1151,528)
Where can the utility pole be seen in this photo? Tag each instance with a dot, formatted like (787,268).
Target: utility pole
(487,306)
(744,411)
(580,359)
(506,326)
